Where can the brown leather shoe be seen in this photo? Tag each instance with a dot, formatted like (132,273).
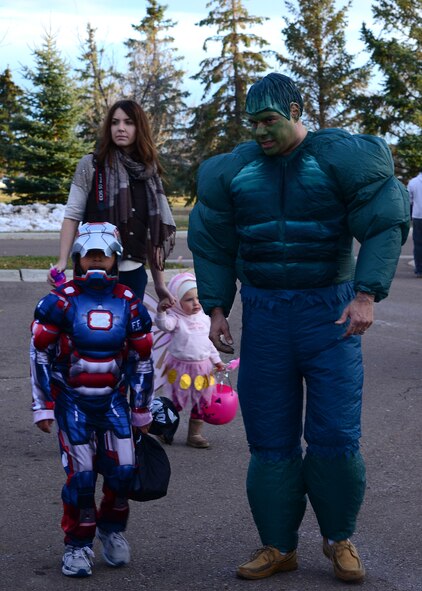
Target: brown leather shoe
(266,562)
(345,558)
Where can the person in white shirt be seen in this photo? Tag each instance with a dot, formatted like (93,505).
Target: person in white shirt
(415,192)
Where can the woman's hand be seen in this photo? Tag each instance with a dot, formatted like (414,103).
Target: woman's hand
(164,305)
(164,294)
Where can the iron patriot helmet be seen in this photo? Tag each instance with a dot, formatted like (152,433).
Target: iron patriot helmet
(96,236)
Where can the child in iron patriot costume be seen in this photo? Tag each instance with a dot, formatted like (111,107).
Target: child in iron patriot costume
(191,356)
(85,336)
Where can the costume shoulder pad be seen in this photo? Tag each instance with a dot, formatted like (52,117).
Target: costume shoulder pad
(356,161)
(216,174)
(51,308)
(124,292)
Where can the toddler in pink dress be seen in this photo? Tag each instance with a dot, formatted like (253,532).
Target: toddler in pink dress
(191,357)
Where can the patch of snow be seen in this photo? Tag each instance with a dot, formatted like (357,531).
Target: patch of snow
(37,217)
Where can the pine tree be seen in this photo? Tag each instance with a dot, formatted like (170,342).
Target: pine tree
(97,87)
(47,146)
(154,80)
(218,123)
(10,107)
(319,63)
(395,110)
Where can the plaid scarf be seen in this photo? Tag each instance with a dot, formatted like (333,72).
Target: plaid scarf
(162,227)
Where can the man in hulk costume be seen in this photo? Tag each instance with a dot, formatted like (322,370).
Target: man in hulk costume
(279,214)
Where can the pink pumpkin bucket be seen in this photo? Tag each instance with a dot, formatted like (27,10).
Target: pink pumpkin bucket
(223,405)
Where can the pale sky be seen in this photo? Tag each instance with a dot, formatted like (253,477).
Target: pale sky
(23,23)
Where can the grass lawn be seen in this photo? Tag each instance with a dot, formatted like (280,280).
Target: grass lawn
(29,262)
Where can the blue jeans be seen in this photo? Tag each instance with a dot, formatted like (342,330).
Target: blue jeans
(137,280)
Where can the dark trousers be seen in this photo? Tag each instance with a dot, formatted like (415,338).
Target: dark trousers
(417,244)
(137,280)
(290,343)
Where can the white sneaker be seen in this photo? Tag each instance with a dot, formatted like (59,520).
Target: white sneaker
(77,562)
(116,550)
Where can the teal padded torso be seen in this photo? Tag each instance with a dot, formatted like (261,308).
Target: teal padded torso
(288,222)
(291,223)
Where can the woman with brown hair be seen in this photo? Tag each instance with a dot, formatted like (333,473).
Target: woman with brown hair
(120,183)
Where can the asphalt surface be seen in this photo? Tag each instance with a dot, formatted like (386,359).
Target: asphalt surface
(193,539)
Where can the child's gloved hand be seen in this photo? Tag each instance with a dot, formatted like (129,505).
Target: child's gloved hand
(45,425)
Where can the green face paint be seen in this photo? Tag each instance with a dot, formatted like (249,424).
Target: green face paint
(274,133)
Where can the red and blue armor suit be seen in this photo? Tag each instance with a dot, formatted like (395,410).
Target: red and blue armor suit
(88,347)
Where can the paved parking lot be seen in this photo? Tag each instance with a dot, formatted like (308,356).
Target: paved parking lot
(193,539)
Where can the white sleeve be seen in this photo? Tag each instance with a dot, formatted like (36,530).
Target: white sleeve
(165,322)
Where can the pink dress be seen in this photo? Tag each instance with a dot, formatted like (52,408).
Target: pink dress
(190,358)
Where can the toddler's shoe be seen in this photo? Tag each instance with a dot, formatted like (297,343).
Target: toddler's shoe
(116,550)
(195,437)
(77,562)
(345,558)
(266,562)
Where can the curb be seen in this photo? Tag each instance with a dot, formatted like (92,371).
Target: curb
(40,275)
